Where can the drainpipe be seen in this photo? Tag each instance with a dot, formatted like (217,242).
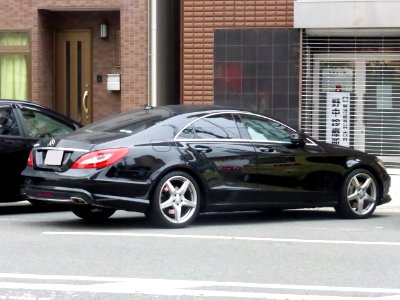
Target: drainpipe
(152,56)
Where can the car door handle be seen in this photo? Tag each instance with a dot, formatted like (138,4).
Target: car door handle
(267,149)
(201,148)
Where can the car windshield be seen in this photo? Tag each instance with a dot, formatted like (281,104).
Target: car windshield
(130,122)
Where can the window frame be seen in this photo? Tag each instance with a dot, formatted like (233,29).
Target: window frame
(245,136)
(21,50)
(21,132)
(221,115)
(50,115)
(267,120)
(191,124)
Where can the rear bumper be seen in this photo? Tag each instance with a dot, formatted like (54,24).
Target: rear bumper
(73,196)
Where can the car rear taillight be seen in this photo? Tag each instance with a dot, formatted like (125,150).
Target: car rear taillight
(30,159)
(100,158)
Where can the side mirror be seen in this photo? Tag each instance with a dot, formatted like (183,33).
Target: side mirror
(298,138)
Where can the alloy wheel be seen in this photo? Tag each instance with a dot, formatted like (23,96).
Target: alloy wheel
(362,193)
(178,199)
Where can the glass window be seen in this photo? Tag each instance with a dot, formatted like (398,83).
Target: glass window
(263,129)
(131,122)
(39,125)
(187,133)
(8,124)
(14,50)
(221,126)
(351,93)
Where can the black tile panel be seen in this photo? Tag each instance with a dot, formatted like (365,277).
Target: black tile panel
(234,53)
(249,69)
(265,37)
(249,53)
(220,53)
(258,69)
(220,37)
(234,37)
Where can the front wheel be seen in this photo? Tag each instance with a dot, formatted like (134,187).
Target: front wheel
(359,195)
(176,201)
(93,213)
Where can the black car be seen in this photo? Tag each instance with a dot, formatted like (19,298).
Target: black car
(23,123)
(173,162)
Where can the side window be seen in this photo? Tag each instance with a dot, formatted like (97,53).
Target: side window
(263,129)
(187,133)
(221,126)
(8,123)
(39,125)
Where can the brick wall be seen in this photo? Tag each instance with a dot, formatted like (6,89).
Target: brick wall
(201,17)
(133,25)
(134,54)
(43,17)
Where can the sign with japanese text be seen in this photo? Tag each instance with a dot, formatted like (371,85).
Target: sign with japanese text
(338,118)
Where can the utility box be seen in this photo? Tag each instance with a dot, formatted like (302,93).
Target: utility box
(114,82)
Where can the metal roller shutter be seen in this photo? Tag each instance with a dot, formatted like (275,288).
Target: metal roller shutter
(351,93)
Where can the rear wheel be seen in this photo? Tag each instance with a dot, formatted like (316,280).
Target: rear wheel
(93,213)
(176,201)
(360,194)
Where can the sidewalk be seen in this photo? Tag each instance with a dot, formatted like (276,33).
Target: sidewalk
(394,192)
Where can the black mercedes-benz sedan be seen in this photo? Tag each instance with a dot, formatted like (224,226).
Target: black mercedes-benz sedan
(173,162)
(22,124)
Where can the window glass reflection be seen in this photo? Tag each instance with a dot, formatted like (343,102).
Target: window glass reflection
(266,130)
(216,127)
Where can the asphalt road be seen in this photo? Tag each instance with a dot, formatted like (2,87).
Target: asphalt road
(299,254)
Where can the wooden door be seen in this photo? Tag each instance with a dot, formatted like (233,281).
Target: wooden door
(73,74)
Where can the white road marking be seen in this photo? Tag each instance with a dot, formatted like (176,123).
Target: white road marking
(220,237)
(118,285)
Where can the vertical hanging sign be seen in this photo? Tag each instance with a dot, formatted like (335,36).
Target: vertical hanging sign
(338,118)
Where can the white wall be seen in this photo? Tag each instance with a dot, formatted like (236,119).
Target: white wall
(346,14)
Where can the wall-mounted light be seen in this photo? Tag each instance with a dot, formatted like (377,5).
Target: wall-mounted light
(103,30)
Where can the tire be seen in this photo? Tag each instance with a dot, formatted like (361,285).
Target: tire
(176,201)
(359,195)
(93,213)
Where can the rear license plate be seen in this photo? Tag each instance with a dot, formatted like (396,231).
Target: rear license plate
(53,158)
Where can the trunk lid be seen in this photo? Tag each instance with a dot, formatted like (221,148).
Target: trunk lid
(58,154)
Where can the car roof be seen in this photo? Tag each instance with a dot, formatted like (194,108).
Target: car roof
(23,102)
(191,108)
(41,107)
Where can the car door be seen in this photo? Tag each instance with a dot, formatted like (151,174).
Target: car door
(287,173)
(20,127)
(213,146)
(14,151)
(37,124)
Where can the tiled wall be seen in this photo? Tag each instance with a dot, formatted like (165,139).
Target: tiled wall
(200,18)
(258,69)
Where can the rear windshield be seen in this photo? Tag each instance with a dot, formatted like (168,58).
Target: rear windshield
(130,122)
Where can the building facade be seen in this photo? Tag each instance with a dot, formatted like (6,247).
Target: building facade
(243,54)
(328,67)
(52,52)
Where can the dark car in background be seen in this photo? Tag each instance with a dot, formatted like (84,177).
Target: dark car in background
(22,124)
(173,162)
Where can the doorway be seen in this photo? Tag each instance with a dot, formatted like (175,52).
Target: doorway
(370,82)
(73,74)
